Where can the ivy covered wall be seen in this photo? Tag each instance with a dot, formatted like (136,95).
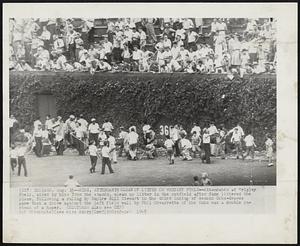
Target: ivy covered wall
(130,98)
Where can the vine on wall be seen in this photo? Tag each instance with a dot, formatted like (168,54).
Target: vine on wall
(130,99)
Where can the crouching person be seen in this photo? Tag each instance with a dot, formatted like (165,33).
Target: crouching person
(186,146)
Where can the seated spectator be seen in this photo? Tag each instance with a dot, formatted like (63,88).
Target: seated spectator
(42,59)
(178,48)
(46,36)
(137,57)
(22,66)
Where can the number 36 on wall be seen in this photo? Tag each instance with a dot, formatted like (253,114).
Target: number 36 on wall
(164,130)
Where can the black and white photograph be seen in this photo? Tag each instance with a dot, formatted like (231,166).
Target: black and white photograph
(150,123)
(142,101)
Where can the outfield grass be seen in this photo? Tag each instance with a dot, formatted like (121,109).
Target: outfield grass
(54,171)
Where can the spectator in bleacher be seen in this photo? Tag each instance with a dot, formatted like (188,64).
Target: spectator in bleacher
(166,42)
(187,24)
(78,45)
(42,59)
(70,40)
(170,32)
(150,30)
(137,57)
(192,38)
(58,43)
(22,66)
(135,37)
(46,36)
(235,53)
(72,36)
(221,27)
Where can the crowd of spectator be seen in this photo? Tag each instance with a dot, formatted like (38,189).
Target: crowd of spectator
(133,44)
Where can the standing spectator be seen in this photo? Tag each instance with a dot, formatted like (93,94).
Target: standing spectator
(70,41)
(170,32)
(78,46)
(137,57)
(46,36)
(187,24)
(150,30)
(166,42)
(235,55)
(143,37)
(192,38)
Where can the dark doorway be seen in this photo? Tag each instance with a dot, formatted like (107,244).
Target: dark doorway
(46,105)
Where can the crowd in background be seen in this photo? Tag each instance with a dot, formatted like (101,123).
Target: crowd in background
(133,44)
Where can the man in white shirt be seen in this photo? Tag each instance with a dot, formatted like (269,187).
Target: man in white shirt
(213,131)
(187,23)
(133,140)
(166,42)
(107,45)
(83,122)
(240,130)
(79,134)
(128,33)
(21,150)
(46,36)
(94,130)
(123,139)
(169,144)
(174,135)
(137,56)
(175,51)
(36,123)
(105,151)
(107,127)
(37,134)
(250,145)
(112,147)
(196,129)
(236,140)
(192,38)
(206,146)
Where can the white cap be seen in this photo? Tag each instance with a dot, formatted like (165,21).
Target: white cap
(93,119)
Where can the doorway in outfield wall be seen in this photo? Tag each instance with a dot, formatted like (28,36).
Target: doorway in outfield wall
(46,105)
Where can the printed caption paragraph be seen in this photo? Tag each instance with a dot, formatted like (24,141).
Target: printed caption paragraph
(138,200)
